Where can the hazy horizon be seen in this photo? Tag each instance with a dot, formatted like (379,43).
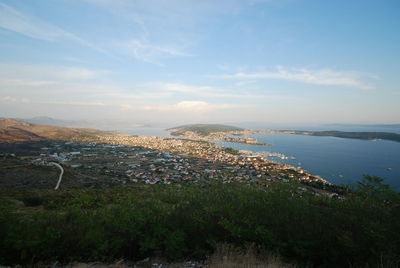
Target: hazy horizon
(128,126)
(181,61)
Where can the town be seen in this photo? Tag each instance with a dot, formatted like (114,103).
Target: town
(120,159)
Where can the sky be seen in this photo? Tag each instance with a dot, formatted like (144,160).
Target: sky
(208,61)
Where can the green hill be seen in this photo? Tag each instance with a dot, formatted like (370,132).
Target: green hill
(202,129)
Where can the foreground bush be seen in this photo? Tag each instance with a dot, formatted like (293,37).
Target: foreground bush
(188,221)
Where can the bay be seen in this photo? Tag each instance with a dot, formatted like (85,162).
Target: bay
(338,160)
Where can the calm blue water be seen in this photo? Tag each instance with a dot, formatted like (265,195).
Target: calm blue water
(338,160)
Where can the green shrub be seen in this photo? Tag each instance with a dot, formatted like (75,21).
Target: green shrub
(189,221)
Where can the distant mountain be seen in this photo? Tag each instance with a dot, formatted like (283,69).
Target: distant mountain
(12,130)
(45,120)
(103,124)
(202,129)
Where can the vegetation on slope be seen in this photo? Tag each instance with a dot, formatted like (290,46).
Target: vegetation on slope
(188,221)
(202,129)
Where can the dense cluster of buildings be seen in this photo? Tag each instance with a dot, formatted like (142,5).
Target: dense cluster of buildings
(153,160)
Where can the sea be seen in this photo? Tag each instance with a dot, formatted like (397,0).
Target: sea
(338,160)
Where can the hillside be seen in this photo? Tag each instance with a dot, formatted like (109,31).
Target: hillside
(202,129)
(187,221)
(17,131)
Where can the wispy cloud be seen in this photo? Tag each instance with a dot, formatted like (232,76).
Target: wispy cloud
(41,74)
(13,20)
(52,84)
(10,99)
(81,73)
(223,67)
(168,28)
(163,29)
(30,26)
(157,7)
(325,77)
(143,50)
(80,103)
(201,91)
(25,83)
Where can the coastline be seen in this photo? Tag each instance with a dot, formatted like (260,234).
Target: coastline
(226,136)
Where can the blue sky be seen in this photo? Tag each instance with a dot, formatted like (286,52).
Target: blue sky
(182,61)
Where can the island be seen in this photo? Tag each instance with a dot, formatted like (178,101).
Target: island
(210,132)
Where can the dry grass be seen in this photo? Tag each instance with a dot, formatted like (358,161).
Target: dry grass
(227,256)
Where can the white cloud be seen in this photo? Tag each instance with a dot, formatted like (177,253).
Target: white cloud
(189,107)
(182,88)
(48,84)
(325,77)
(192,105)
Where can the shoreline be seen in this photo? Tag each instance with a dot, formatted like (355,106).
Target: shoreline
(225,136)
